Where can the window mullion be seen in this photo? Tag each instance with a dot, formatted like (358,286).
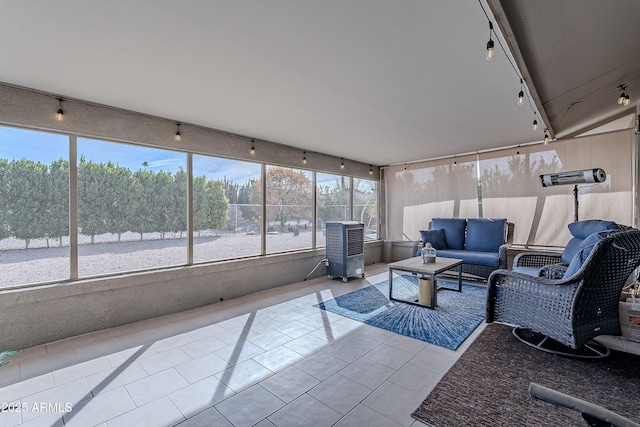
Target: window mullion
(73,207)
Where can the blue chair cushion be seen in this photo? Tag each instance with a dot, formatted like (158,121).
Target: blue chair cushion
(586,247)
(485,234)
(435,237)
(572,248)
(580,230)
(453,231)
(490,259)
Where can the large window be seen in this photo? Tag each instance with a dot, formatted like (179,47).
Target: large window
(289,206)
(132,207)
(227,206)
(333,195)
(34,207)
(365,206)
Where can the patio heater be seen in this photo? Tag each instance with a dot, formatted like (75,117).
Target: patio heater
(587,176)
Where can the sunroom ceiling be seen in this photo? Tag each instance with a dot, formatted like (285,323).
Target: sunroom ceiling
(577,53)
(378,81)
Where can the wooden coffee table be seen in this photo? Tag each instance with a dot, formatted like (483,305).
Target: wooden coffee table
(416,267)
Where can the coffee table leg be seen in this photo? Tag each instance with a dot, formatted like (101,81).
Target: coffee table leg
(460,278)
(434,289)
(390,284)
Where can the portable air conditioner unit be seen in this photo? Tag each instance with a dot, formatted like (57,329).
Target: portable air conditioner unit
(345,249)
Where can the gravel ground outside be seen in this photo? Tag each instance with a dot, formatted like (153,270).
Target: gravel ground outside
(19,266)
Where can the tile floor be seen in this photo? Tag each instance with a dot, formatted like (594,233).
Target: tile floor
(266,359)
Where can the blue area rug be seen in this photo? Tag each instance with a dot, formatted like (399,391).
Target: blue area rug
(458,313)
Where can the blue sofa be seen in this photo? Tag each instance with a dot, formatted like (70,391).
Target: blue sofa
(481,243)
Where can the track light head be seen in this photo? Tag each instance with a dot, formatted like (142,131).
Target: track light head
(490,50)
(60,113)
(624,98)
(490,44)
(535,125)
(621,98)
(370,170)
(178,136)
(253,148)
(546,138)
(304,157)
(341,163)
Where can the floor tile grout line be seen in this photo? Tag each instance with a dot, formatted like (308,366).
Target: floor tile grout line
(299,298)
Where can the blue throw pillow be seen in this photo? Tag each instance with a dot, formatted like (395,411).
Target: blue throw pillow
(586,247)
(580,230)
(485,234)
(435,237)
(583,229)
(454,229)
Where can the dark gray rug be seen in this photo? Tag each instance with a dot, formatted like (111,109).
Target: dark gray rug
(488,385)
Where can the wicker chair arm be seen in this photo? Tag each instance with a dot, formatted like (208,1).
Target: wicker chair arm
(534,259)
(504,277)
(502,255)
(553,271)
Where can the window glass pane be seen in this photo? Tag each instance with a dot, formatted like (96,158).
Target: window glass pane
(332,201)
(289,209)
(132,207)
(34,207)
(226,217)
(365,206)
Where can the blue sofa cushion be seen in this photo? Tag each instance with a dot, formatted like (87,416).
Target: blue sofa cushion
(485,235)
(580,230)
(435,237)
(586,247)
(453,231)
(490,259)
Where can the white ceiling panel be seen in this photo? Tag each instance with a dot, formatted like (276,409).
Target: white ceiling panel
(377,81)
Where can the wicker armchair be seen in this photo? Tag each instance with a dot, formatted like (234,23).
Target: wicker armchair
(568,311)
